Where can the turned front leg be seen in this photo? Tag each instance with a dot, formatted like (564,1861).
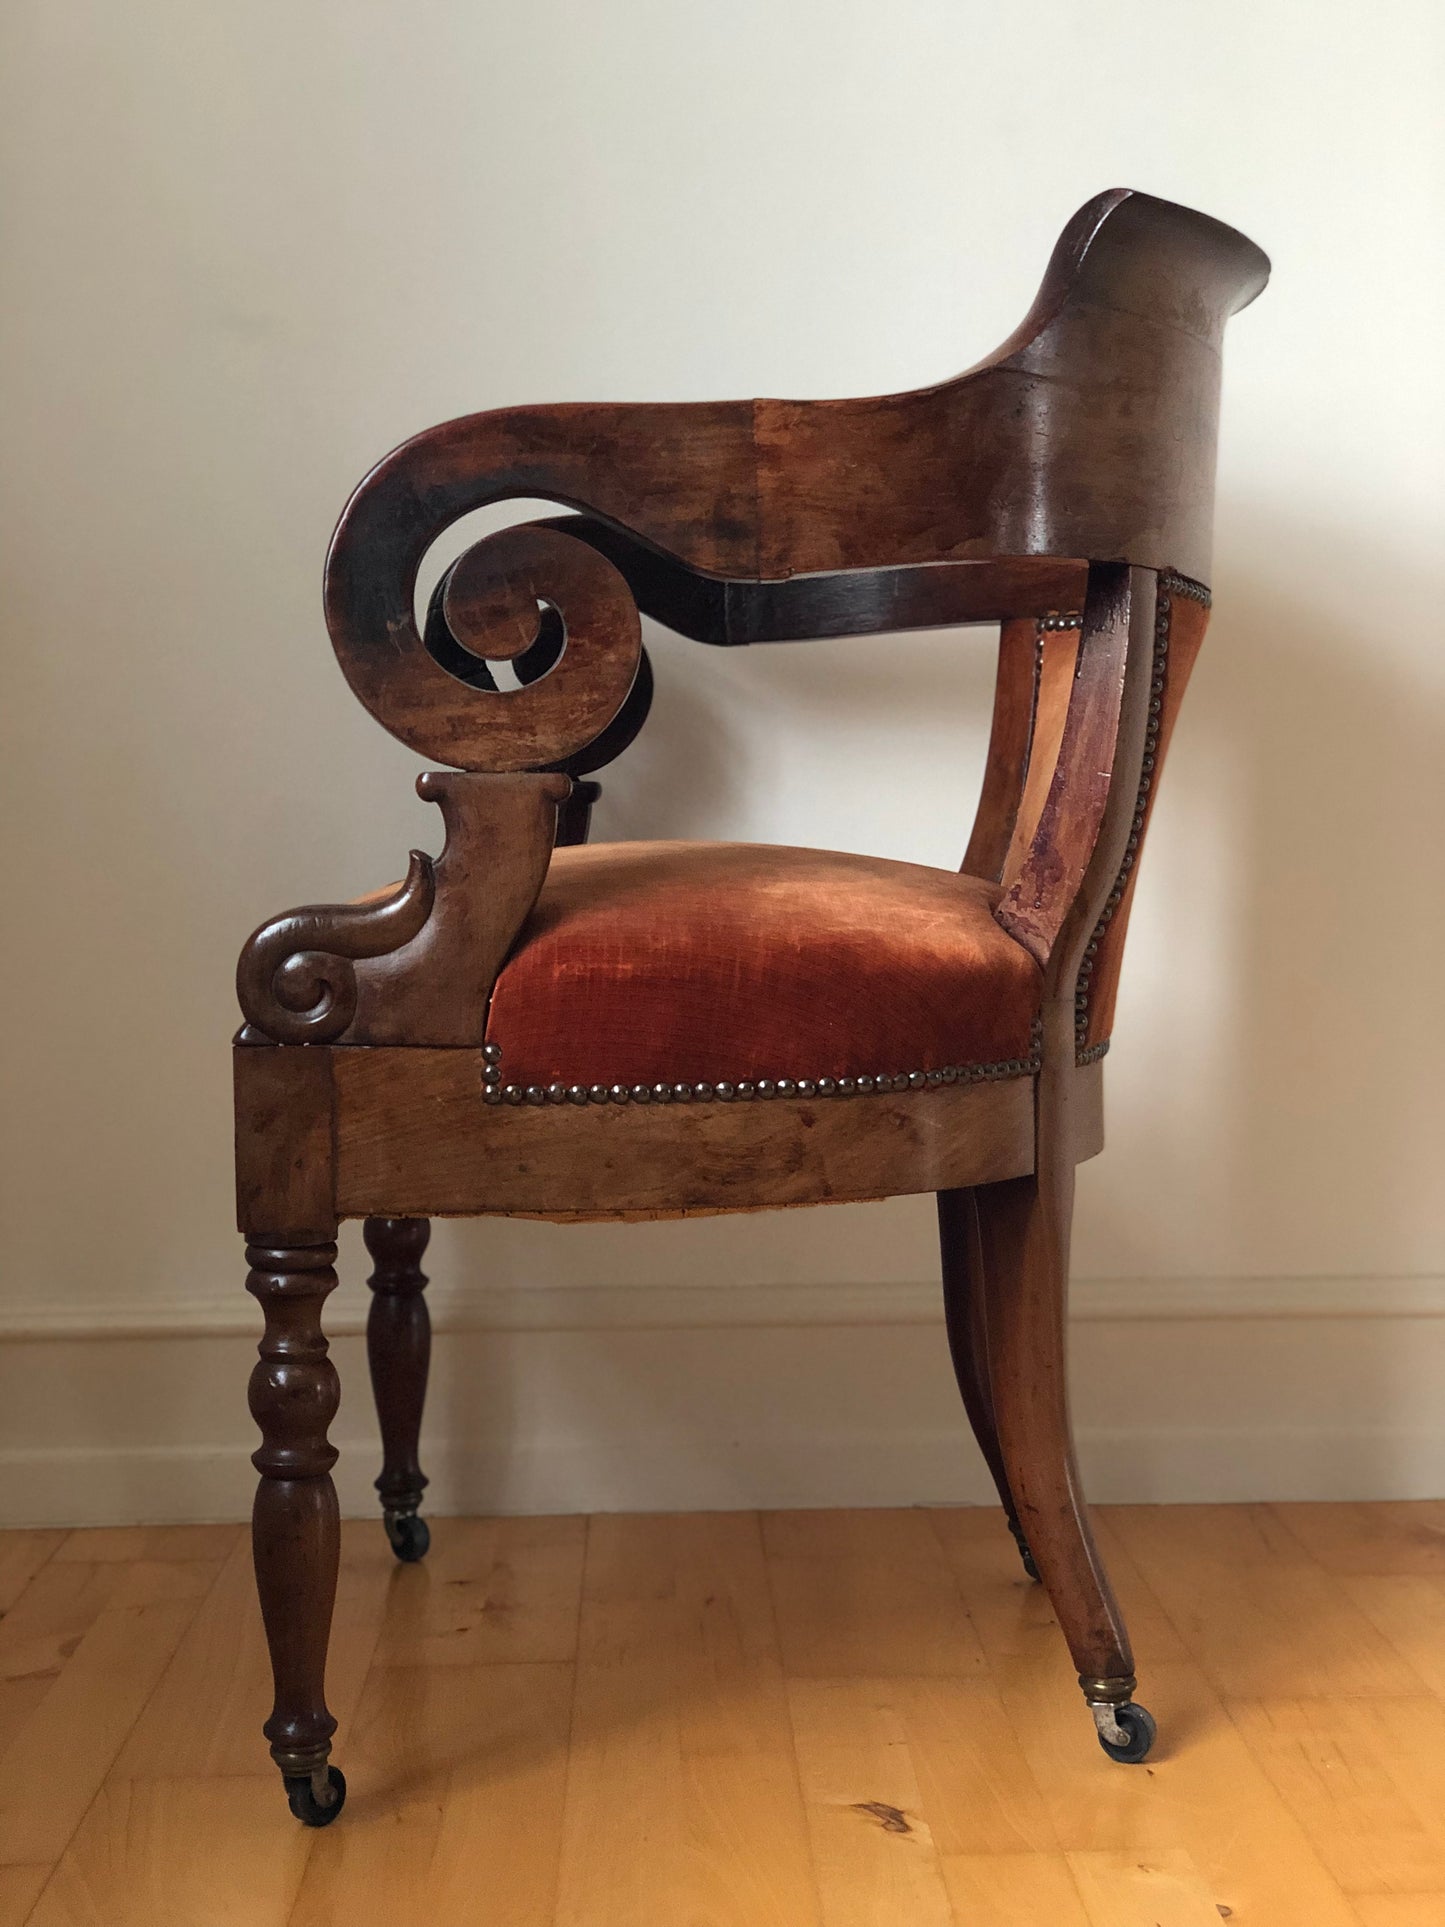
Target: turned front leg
(398,1349)
(295,1526)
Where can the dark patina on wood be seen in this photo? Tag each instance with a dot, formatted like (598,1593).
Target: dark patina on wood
(1063,488)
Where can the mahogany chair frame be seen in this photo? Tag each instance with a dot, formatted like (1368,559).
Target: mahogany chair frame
(1063,488)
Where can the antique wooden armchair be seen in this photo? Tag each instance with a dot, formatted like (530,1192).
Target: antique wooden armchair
(531,1025)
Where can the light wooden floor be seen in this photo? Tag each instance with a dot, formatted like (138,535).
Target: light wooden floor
(823,1719)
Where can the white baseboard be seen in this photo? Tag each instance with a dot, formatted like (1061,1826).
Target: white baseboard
(751,1306)
(178,1484)
(655,1398)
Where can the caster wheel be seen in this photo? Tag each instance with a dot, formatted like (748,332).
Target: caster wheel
(311,1812)
(1025,1554)
(409,1537)
(1138,1723)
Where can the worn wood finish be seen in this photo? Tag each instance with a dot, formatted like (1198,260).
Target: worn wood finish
(492,605)
(1010,740)
(574,817)
(1181,618)
(398,1351)
(845,1717)
(418,1115)
(413,1119)
(1080,764)
(855,602)
(295,1527)
(1089,434)
(285,1123)
(538,660)
(1060,475)
(296,978)
(412,1129)
(669,467)
(1056,657)
(311,977)
(1025,1250)
(1053,904)
(965,1307)
(434,989)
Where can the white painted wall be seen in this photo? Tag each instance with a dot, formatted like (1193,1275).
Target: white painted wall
(250,246)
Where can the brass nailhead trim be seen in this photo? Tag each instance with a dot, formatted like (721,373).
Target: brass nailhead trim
(1170,585)
(495,1092)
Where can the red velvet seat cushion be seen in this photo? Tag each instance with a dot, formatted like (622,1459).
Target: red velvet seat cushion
(647,963)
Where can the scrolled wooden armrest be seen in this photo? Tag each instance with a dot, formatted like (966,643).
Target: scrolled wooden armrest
(672,470)
(493,602)
(414,965)
(1088,433)
(296,979)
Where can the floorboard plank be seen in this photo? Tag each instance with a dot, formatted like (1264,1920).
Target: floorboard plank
(1125,1890)
(42,1630)
(22,1554)
(489,1589)
(1400,1910)
(682,1790)
(459,1773)
(20,1888)
(1410,1613)
(1399,1537)
(1200,1794)
(206,1714)
(178,1853)
(96,1545)
(861,1594)
(1013,1890)
(58,1758)
(975,1793)
(860,1719)
(873,1849)
(1261,1616)
(1366,1780)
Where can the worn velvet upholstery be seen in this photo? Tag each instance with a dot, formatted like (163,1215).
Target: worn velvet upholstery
(647,963)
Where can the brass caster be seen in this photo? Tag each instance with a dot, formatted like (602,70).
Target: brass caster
(408,1535)
(316,1798)
(1126,1732)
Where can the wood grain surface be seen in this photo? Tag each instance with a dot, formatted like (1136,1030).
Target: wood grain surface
(1089,434)
(843,1719)
(417,1141)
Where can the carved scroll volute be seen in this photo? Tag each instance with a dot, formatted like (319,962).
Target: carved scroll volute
(416,965)
(493,603)
(296,980)
(434,990)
